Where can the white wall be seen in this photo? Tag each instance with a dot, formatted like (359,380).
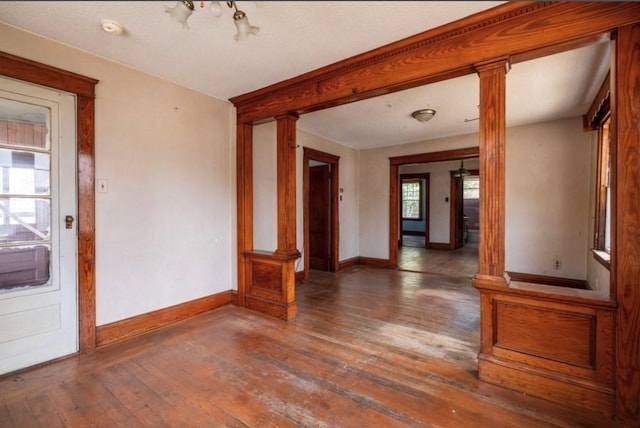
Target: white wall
(265,190)
(164,231)
(547,198)
(265,187)
(439,194)
(374,191)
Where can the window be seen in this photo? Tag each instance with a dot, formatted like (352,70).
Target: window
(412,199)
(471,187)
(602,237)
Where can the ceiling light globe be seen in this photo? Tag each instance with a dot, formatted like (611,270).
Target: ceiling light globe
(181,12)
(243,26)
(216,9)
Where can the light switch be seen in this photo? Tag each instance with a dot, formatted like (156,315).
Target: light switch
(103,185)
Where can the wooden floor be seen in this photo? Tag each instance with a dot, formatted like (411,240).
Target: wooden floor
(460,262)
(369,348)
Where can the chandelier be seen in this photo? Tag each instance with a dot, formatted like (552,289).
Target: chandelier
(183,10)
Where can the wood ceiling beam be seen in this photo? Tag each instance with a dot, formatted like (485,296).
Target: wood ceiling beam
(516,29)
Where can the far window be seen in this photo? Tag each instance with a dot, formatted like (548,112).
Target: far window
(471,187)
(603,201)
(412,199)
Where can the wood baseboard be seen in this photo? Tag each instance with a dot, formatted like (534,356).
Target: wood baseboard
(413,232)
(439,246)
(282,310)
(549,280)
(347,263)
(569,391)
(124,329)
(373,262)
(300,276)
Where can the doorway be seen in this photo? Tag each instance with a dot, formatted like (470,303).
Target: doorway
(38,246)
(442,202)
(321,200)
(414,209)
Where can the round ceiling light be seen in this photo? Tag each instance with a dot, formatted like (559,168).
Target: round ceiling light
(112,27)
(423,115)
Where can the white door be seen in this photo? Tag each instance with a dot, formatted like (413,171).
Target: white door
(38,280)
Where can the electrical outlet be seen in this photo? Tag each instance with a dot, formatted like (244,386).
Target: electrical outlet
(557,264)
(103,186)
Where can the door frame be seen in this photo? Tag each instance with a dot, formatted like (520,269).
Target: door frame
(334,224)
(453,238)
(394,187)
(427,192)
(84,89)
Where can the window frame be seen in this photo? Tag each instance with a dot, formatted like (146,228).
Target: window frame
(603,186)
(420,183)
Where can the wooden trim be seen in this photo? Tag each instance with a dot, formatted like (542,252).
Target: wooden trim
(127,328)
(286,176)
(347,263)
(515,31)
(523,30)
(373,262)
(549,280)
(244,202)
(439,246)
(84,88)
(300,276)
(445,155)
(603,159)
(270,283)
(625,248)
(394,188)
(492,164)
(86,224)
(394,214)
(600,107)
(453,194)
(46,75)
(541,383)
(334,161)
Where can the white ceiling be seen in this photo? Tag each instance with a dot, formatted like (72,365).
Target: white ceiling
(299,36)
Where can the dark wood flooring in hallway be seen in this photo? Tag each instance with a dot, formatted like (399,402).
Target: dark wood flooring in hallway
(369,348)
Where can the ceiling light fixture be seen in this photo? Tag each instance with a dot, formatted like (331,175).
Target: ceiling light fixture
(423,115)
(462,172)
(183,10)
(112,27)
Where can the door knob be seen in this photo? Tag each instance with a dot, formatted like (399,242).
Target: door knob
(68,221)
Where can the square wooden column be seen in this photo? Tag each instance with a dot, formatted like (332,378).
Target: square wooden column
(286,146)
(244,188)
(492,166)
(625,228)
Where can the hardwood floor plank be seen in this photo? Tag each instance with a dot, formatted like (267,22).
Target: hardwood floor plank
(44,410)
(5,418)
(369,347)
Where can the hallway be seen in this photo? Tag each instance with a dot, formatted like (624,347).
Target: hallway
(460,262)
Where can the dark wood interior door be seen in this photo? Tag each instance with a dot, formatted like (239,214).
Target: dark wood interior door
(319,217)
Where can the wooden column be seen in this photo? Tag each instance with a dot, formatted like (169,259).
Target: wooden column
(244,184)
(625,256)
(492,168)
(286,134)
